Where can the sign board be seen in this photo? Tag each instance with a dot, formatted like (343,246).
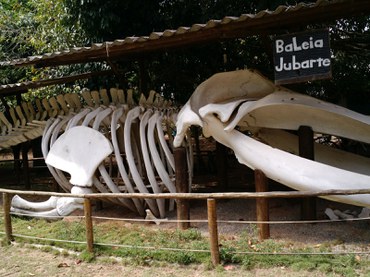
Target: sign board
(302,57)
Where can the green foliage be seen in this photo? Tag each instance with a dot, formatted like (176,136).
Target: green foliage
(87,257)
(30,27)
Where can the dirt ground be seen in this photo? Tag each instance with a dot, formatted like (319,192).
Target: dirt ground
(16,261)
(353,236)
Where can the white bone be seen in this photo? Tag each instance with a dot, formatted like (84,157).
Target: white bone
(104,97)
(163,142)
(51,128)
(288,169)
(115,117)
(272,107)
(288,110)
(20,203)
(61,100)
(155,155)
(96,97)
(147,161)
(86,95)
(131,115)
(66,153)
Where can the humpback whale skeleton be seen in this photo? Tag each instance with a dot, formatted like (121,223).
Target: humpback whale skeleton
(228,104)
(112,145)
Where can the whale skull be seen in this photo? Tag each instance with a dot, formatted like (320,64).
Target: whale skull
(230,102)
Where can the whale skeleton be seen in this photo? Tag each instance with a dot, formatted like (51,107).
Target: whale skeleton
(110,144)
(230,104)
(225,106)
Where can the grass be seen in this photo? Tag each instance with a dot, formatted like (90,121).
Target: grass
(148,246)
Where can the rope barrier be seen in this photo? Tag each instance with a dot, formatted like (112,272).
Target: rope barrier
(153,248)
(292,221)
(197,250)
(46,239)
(302,253)
(162,221)
(198,196)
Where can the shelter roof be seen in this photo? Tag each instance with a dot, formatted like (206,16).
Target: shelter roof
(264,22)
(10,89)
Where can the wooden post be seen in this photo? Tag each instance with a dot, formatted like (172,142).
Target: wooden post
(7,218)
(89,226)
(262,205)
(221,165)
(306,150)
(26,169)
(213,233)
(17,162)
(195,134)
(182,185)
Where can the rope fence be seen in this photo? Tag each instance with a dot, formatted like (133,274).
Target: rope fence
(211,220)
(164,221)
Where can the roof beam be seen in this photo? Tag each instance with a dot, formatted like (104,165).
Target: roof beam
(12,89)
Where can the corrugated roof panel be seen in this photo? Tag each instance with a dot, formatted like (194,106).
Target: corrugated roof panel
(131,39)
(212,23)
(281,8)
(245,17)
(196,27)
(228,19)
(118,41)
(169,33)
(155,35)
(182,30)
(143,38)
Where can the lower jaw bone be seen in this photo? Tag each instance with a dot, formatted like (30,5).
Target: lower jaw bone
(293,171)
(52,208)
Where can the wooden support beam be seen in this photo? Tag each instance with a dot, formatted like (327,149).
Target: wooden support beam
(17,89)
(213,233)
(7,218)
(89,226)
(17,162)
(262,205)
(306,150)
(221,164)
(182,185)
(26,169)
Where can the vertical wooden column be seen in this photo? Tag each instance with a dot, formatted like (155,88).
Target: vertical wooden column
(182,186)
(213,233)
(262,205)
(306,150)
(195,134)
(7,218)
(17,162)
(26,169)
(89,226)
(221,164)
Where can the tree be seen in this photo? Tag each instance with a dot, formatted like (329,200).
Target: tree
(30,27)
